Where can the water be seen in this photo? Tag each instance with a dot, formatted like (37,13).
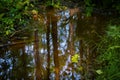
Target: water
(47,55)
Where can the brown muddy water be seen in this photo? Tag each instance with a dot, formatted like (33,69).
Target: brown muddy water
(63,48)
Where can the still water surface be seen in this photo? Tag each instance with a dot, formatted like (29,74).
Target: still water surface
(48,54)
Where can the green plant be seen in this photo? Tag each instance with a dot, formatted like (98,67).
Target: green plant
(88,7)
(55,4)
(109,54)
(14,15)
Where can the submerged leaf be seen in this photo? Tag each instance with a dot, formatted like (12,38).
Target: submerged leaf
(81,68)
(75,58)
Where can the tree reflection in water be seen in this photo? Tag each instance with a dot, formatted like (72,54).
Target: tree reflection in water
(15,63)
(72,34)
(52,22)
(38,71)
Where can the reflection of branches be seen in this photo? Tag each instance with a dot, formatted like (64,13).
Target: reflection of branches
(13,43)
(17,31)
(66,21)
(55,49)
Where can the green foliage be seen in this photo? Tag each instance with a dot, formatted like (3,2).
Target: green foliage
(109,54)
(101,5)
(117,7)
(50,2)
(55,4)
(88,7)
(89,10)
(13,15)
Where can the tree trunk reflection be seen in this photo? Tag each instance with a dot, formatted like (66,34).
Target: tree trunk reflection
(37,58)
(81,58)
(52,21)
(71,39)
(24,64)
(55,46)
(48,49)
